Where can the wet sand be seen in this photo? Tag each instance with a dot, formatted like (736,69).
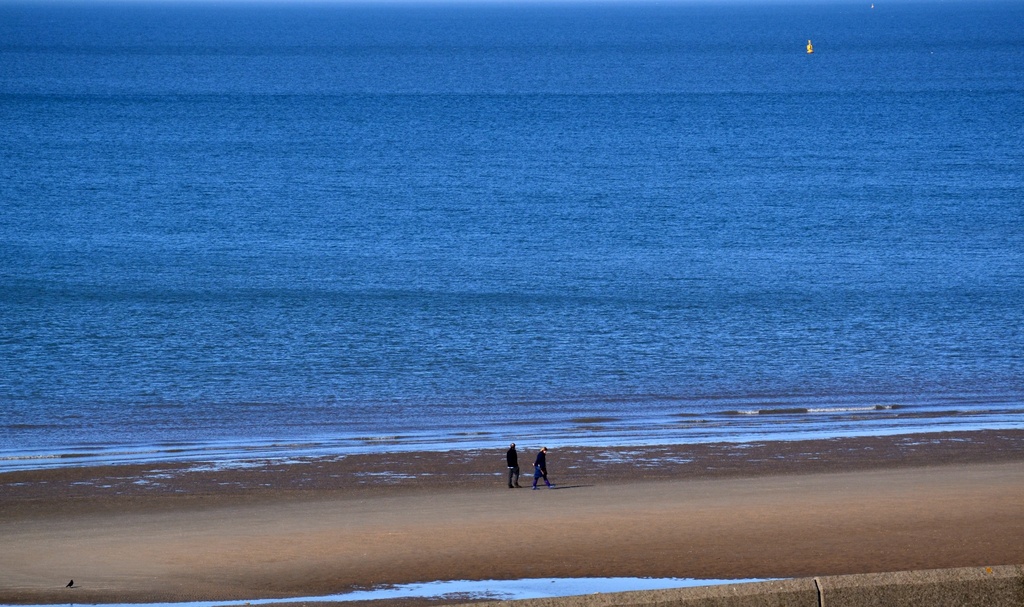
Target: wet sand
(183,532)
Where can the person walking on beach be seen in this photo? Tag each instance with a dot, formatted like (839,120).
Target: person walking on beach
(540,468)
(512,459)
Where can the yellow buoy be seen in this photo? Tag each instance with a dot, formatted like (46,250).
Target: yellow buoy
(810,48)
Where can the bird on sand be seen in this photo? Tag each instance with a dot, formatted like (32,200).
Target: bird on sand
(70,584)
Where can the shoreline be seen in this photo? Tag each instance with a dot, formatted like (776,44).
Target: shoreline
(151,533)
(734,421)
(422,470)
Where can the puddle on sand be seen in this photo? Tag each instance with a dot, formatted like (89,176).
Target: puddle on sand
(461,590)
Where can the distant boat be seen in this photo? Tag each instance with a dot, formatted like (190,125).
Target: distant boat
(810,48)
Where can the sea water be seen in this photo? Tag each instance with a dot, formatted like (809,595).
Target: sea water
(305,228)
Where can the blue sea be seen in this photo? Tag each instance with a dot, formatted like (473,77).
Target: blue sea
(274,230)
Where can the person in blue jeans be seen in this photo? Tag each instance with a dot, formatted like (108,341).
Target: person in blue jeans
(540,468)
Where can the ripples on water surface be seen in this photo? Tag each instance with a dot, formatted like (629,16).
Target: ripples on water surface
(324,226)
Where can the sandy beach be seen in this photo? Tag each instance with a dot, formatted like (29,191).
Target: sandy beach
(184,532)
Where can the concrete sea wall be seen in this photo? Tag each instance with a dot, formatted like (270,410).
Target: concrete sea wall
(1001,586)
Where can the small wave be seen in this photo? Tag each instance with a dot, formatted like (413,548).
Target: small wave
(160,406)
(930,414)
(777,411)
(32,426)
(847,409)
(264,447)
(381,439)
(594,420)
(16,458)
(100,452)
(811,410)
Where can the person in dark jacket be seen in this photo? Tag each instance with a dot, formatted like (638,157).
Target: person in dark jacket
(513,466)
(540,468)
